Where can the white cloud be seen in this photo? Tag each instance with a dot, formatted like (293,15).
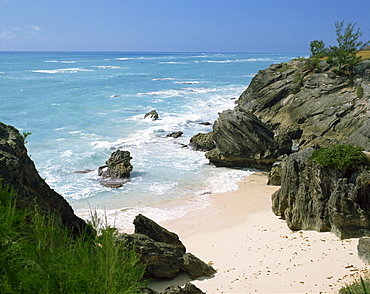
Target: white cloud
(5,34)
(35,28)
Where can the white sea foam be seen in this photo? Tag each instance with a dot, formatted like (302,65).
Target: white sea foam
(187,82)
(62,70)
(61,61)
(107,67)
(163,79)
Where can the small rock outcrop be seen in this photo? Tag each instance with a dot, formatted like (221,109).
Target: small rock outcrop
(175,134)
(319,198)
(18,171)
(202,142)
(242,140)
(152,114)
(116,170)
(162,251)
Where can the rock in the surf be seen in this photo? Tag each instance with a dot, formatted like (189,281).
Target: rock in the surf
(175,134)
(116,170)
(152,114)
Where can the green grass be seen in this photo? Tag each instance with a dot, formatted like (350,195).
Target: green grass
(358,287)
(37,255)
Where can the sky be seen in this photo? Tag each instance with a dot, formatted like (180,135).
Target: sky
(251,26)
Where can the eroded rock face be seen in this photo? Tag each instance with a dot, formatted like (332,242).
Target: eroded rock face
(313,197)
(18,171)
(116,169)
(242,140)
(313,107)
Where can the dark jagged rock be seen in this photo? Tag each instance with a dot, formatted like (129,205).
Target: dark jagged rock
(162,252)
(18,171)
(188,289)
(175,134)
(206,123)
(162,260)
(318,198)
(116,169)
(195,267)
(202,142)
(242,140)
(152,114)
(148,227)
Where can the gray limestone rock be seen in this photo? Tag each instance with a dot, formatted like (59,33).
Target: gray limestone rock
(318,198)
(242,140)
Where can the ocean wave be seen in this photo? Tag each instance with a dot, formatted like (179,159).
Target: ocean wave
(172,62)
(106,67)
(62,70)
(61,61)
(228,181)
(187,82)
(163,79)
(237,60)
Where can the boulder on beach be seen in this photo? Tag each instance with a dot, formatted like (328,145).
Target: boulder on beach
(162,251)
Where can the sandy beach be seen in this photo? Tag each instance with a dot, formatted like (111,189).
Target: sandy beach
(254,251)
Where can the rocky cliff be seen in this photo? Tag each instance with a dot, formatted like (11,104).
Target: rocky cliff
(307,103)
(312,105)
(313,197)
(18,171)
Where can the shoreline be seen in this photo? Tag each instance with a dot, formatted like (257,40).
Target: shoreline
(254,251)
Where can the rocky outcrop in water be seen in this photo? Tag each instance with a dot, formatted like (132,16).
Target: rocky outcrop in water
(116,170)
(18,171)
(175,134)
(318,198)
(242,140)
(152,114)
(162,251)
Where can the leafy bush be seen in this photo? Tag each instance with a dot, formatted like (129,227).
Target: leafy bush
(38,256)
(359,92)
(340,157)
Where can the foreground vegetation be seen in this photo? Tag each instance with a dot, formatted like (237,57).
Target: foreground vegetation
(38,255)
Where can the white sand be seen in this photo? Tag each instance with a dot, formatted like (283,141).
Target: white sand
(254,251)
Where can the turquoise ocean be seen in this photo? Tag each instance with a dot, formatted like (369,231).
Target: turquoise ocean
(82,106)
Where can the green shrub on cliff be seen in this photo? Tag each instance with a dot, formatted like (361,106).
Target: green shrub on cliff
(341,157)
(37,256)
